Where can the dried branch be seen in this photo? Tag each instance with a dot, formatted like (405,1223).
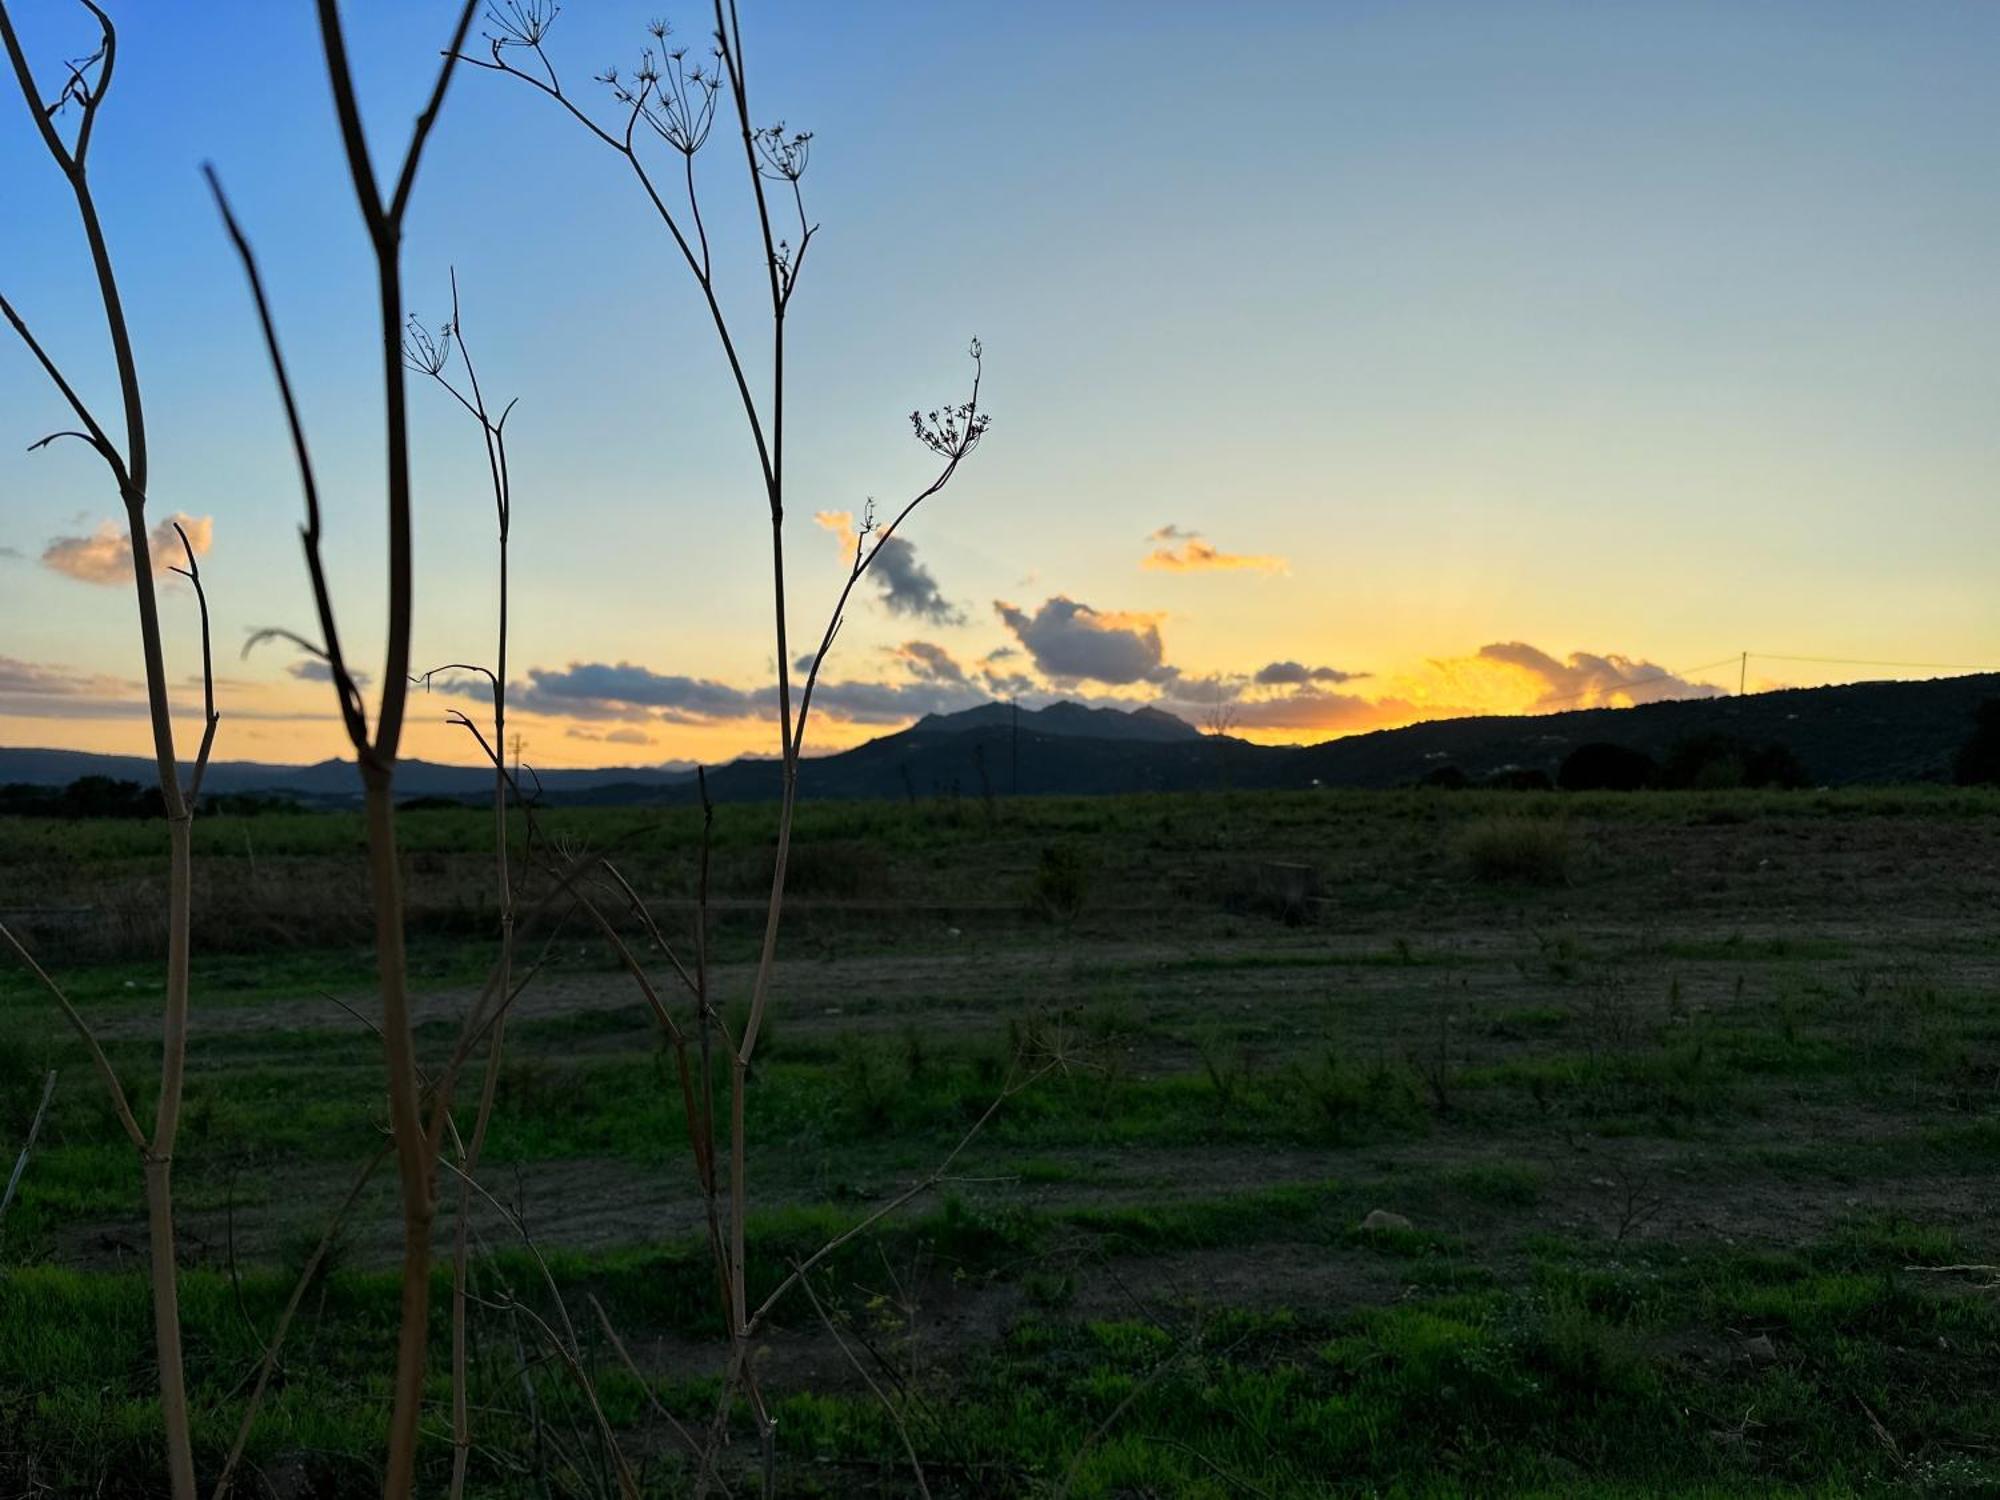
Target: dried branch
(192,573)
(94,435)
(119,1104)
(351,709)
(881,1396)
(416,1148)
(674,101)
(284,1324)
(645,1386)
(130,470)
(28,1146)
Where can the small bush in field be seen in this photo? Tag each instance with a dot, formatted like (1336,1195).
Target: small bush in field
(1603,767)
(1518,851)
(1060,883)
(873,1084)
(1978,760)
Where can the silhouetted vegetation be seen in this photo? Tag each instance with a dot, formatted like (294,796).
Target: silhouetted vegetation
(1061,881)
(1718,762)
(1604,767)
(1978,762)
(86,797)
(1519,779)
(1518,851)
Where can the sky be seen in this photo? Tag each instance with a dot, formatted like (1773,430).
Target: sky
(1348,363)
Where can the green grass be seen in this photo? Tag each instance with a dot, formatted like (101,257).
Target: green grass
(1149,1276)
(1632,1370)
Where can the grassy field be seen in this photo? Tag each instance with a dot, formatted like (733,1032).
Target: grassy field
(1677,1110)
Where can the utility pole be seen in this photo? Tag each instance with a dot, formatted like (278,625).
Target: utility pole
(1742,673)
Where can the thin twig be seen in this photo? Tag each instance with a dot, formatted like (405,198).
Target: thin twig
(881,1396)
(28,1146)
(98,1060)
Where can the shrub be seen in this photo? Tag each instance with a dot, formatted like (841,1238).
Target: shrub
(872,1083)
(1603,767)
(1060,883)
(1717,762)
(1514,850)
(1519,779)
(1978,762)
(86,797)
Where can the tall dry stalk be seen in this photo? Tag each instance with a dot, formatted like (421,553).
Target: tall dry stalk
(672,104)
(376,751)
(431,354)
(86,84)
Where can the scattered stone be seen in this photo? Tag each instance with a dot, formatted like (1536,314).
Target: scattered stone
(1381,1218)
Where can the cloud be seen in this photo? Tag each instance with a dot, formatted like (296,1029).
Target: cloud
(1196,554)
(626,735)
(1291,674)
(1065,648)
(907,587)
(1583,680)
(893,702)
(1010,685)
(1508,677)
(600,690)
(1247,701)
(312,669)
(30,690)
(929,662)
(624,691)
(1072,642)
(841,524)
(105,556)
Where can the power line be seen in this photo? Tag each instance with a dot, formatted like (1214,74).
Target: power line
(1849,661)
(1661,674)
(1743,658)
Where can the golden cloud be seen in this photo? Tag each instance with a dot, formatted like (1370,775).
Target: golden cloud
(1196,554)
(105,556)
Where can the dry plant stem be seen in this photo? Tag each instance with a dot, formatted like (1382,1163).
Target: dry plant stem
(661,100)
(737,1373)
(414,1146)
(645,1385)
(565,1343)
(130,471)
(881,1397)
(284,1324)
(120,1106)
(429,356)
(28,1146)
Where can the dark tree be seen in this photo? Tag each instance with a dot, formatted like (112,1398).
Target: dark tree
(1519,779)
(1718,761)
(1604,767)
(1978,762)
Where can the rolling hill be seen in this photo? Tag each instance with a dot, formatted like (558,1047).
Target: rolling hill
(1862,733)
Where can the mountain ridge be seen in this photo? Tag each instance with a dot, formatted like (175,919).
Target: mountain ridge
(1855,733)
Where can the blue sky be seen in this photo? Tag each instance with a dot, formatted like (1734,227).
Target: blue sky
(1651,332)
